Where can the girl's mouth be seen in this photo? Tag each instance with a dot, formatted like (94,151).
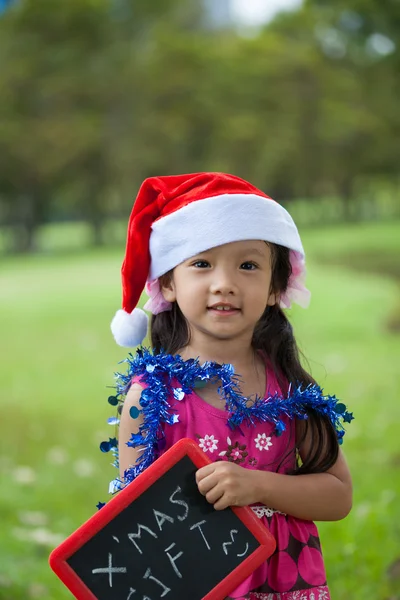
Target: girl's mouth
(223,309)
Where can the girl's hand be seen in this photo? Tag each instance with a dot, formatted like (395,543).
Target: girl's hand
(227,484)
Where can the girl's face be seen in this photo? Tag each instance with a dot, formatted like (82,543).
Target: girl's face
(223,292)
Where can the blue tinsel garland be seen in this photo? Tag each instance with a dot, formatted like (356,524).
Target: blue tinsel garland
(160,373)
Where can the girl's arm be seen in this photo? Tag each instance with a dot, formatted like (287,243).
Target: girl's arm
(127,426)
(316,497)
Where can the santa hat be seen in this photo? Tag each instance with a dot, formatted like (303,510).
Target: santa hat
(176,217)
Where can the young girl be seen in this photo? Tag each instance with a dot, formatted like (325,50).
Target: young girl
(220,260)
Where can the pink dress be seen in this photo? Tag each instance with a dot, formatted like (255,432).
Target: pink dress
(296,570)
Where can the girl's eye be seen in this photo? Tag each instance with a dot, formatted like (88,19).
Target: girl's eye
(248,266)
(201,264)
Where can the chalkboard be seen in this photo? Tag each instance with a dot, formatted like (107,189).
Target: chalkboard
(159,537)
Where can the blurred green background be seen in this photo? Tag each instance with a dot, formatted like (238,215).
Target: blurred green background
(96,95)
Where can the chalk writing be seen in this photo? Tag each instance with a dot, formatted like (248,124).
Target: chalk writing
(245,551)
(148,575)
(225,544)
(133,536)
(110,570)
(161,518)
(173,559)
(181,502)
(197,525)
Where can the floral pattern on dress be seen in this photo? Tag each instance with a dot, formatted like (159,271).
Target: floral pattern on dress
(262,441)
(236,452)
(208,443)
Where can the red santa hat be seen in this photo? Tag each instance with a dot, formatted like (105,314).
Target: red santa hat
(176,217)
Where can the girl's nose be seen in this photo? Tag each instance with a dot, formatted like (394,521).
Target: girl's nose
(223,283)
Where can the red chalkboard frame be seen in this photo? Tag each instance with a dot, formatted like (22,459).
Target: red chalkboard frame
(185,447)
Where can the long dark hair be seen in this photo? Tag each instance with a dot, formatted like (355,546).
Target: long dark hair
(273,336)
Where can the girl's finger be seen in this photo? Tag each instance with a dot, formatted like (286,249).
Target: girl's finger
(222,503)
(204,472)
(207,484)
(214,495)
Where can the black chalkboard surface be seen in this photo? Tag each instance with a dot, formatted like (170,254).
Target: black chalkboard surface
(159,537)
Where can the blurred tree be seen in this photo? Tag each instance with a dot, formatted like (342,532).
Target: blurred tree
(95,95)
(361,42)
(49,63)
(70,86)
(362,23)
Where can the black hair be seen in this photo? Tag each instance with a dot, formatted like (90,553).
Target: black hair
(273,336)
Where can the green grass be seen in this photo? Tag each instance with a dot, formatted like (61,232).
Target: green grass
(58,358)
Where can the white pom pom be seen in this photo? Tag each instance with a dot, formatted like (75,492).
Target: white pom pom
(129,330)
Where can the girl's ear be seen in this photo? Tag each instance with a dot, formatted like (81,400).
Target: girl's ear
(168,289)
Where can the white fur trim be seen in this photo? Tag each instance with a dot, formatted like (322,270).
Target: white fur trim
(129,330)
(211,222)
